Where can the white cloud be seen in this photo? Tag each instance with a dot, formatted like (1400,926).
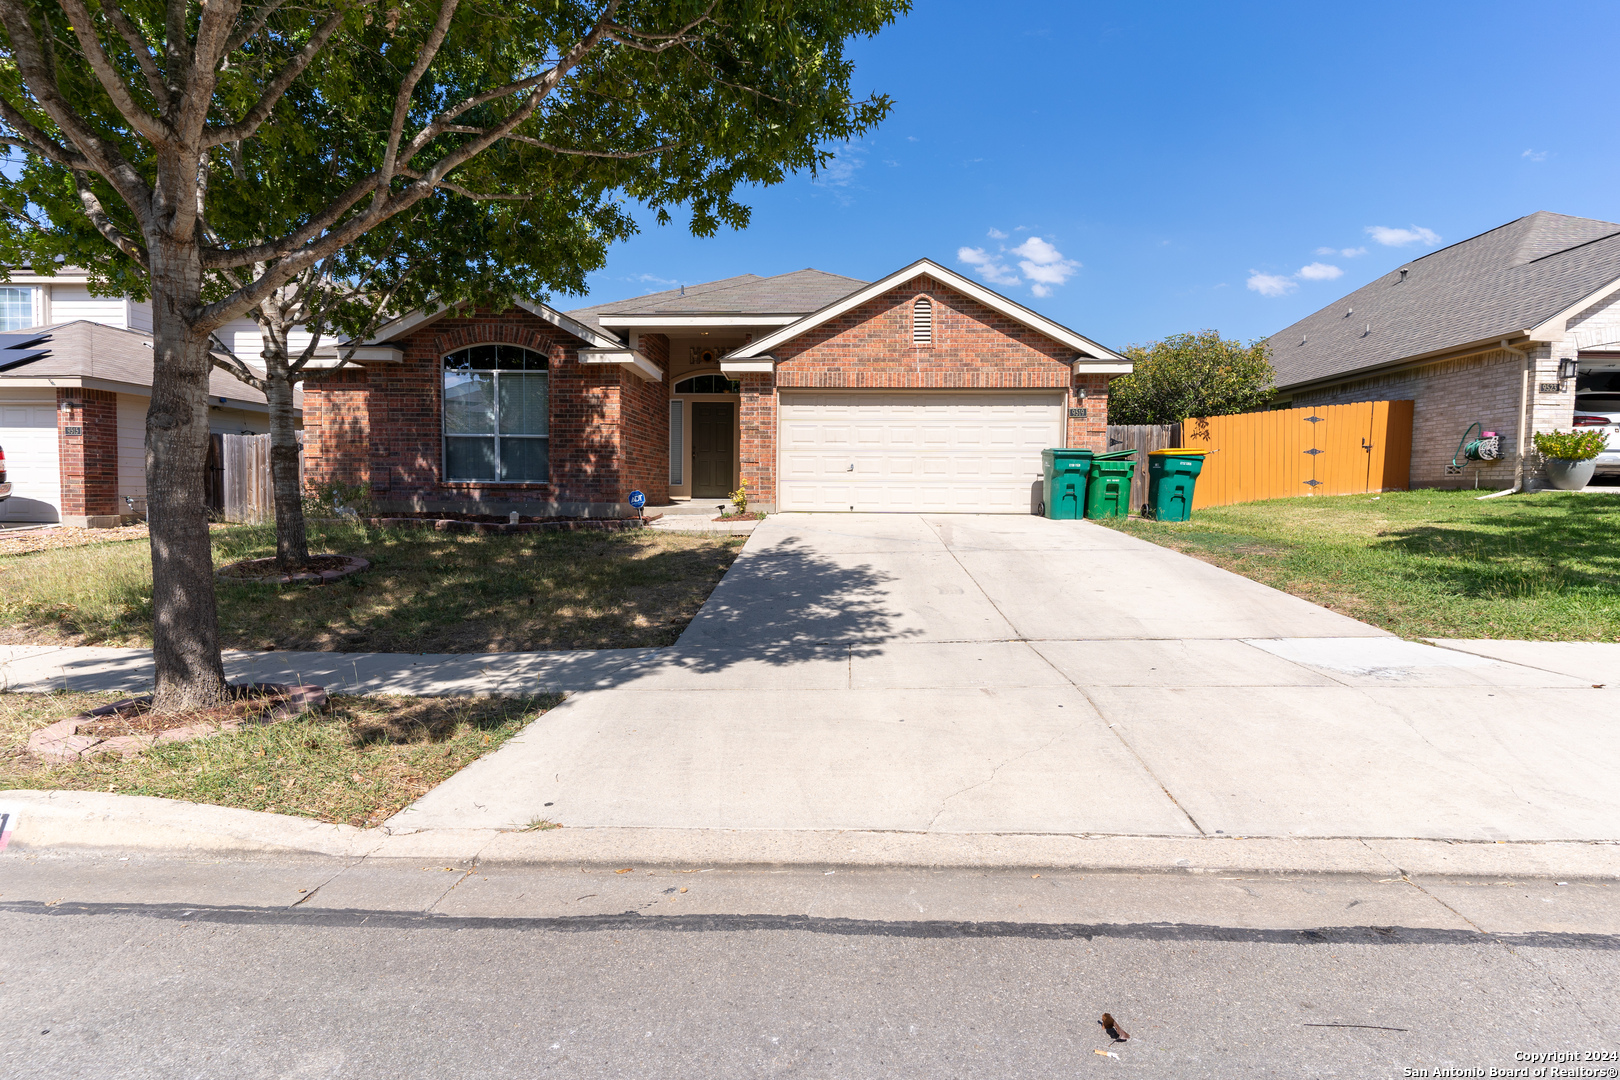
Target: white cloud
(1402,237)
(1348,253)
(1044,265)
(1319,271)
(1326,251)
(1534,155)
(1041,264)
(1270,284)
(990,267)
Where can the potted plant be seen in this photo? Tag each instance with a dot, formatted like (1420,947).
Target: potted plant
(1569,456)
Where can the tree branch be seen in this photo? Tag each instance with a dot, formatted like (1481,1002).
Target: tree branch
(227,360)
(633,39)
(104,223)
(35,67)
(260,112)
(36,140)
(84,30)
(251,28)
(618,155)
(407,90)
(143,52)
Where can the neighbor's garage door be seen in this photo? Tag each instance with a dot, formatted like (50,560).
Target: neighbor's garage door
(968,451)
(28,436)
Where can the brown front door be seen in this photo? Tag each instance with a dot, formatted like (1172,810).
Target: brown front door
(712,458)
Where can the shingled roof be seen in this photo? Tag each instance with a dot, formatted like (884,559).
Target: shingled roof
(796,293)
(88,350)
(1498,284)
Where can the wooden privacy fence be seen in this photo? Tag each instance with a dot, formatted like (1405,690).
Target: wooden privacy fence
(1332,450)
(1142,438)
(244,487)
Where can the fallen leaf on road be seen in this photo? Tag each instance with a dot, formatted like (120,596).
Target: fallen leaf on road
(626,870)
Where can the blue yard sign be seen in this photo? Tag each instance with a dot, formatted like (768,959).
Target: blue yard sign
(637,500)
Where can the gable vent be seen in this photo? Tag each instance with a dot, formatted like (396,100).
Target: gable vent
(922,321)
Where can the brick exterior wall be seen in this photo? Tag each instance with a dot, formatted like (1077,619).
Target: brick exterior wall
(88,461)
(382,425)
(870,347)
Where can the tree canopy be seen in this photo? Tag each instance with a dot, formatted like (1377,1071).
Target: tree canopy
(1185,375)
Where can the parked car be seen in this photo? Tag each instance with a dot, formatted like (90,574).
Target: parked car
(5,485)
(1601,411)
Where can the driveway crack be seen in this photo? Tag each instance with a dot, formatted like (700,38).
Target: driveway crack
(992,776)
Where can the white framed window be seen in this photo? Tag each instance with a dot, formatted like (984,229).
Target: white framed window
(16,307)
(922,321)
(497,422)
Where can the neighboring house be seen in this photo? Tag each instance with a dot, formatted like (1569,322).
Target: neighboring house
(1495,329)
(922,391)
(73,400)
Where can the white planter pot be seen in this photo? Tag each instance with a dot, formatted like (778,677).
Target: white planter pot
(1566,475)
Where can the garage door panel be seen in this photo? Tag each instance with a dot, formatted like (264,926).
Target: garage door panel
(973,452)
(28,434)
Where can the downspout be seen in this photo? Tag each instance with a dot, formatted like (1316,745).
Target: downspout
(1521,436)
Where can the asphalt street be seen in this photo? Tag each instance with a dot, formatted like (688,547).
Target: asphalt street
(160,968)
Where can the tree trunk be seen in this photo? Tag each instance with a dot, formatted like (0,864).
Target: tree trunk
(185,625)
(292,544)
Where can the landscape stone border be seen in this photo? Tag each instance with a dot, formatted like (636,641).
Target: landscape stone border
(355,564)
(62,739)
(504,528)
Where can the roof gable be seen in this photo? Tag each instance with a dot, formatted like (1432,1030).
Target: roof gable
(926,268)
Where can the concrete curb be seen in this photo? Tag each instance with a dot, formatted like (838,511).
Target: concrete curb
(79,821)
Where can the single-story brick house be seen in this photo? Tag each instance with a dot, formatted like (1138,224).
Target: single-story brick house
(922,391)
(1501,329)
(73,401)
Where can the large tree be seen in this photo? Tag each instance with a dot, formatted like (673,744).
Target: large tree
(1185,375)
(142,106)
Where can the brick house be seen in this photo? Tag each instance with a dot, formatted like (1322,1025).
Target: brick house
(1501,329)
(73,401)
(922,391)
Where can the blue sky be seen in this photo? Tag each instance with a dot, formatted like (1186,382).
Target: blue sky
(1160,168)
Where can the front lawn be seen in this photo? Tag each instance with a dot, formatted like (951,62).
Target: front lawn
(362,761)
(426,591)
(1542,567)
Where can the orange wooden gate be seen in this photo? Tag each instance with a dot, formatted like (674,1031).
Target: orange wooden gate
(1332,450)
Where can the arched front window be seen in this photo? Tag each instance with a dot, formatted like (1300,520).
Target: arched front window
(496,415)
(922,321)
(708,384)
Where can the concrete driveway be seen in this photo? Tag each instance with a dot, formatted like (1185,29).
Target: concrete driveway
(1011,674)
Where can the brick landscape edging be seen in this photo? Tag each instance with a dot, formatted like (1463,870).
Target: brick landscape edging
(355,565)
(504,528)
(62,739)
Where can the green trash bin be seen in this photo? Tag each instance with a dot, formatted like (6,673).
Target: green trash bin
(1063,483)
(1172,478)
(1108,488)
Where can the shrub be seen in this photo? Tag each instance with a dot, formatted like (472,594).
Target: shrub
(739,498)
(1571,445)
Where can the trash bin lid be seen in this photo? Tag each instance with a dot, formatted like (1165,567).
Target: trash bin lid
(1115,454)
(1180,452)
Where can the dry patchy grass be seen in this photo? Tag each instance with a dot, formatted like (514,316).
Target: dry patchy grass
(357,764)
(426,591)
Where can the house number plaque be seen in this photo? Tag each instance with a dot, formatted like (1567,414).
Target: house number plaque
(73,431)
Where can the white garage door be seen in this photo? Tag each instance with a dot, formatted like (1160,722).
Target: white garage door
(970,451)
(28,436)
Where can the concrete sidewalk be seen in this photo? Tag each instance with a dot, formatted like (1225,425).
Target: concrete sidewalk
(970,676)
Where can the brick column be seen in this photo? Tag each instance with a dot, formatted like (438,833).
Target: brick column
(1088,432)
(757,420)
(87,455)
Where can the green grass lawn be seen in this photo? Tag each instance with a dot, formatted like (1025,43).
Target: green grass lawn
(358,763)
(426,591)
(1542,567)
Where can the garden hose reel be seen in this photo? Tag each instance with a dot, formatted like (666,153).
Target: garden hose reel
(1486,446)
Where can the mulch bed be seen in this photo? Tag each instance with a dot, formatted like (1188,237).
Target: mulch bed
(752,515)
(318,570)
(127,727)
